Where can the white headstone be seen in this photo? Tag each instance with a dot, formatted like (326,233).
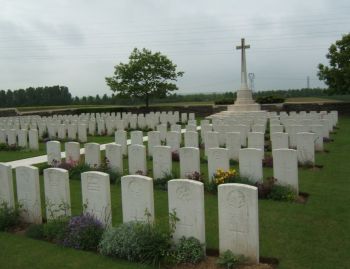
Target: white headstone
(276,129)
(136,137)
(137,159)
(250,164)
(53,151)
(153,140)
(317,129)
(306,147)
(33,139)
(28,193)
(114,155)
(137,198)
(279,141)
(233,144)
(217,159)
(211,140)
(57,193)
(256,140)
(162,165)
(92,155)
(285,167)
(183,117)
(11,137)
(162,128)
(191,128)
(92,127)
(6,183)
(2,136)
(175,128)
(72,152)
(121,139)
(239,220)
(82,133)
(61,131)
(189,161)
(186,199)
(72,131)
(191,139)
(173,140)
(96,196)
(23,138)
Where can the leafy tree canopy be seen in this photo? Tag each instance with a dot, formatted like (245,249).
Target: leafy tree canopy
(337,74)
(146,75)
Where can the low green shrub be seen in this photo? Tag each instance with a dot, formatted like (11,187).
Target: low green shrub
(35,231)
(189,250)
(136,242)
(270,99)
(83,232)
(9,217)
(162,183)
(55,230)
(267,189)
(228,101)
(229,260)
(282,193)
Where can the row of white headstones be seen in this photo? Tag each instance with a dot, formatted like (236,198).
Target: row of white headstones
(15,129)
(237,204)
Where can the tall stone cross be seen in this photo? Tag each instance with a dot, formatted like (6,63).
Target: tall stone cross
(243,47)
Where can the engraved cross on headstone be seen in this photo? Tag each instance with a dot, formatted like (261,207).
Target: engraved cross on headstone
(243,47)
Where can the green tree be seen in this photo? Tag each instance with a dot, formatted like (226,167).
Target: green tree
(337,75)
(146,75)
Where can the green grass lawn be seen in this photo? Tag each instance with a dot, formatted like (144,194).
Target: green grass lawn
(311,235)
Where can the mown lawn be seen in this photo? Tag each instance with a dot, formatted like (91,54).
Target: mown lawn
(311,235)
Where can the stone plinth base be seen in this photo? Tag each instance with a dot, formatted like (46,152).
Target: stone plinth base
(244,107)
(227,114)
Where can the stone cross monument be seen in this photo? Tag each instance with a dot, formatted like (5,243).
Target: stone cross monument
(244,101)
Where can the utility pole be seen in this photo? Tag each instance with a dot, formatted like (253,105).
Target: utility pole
(308,82)
(251,81)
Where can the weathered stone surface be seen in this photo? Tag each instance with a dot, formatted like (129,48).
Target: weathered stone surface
(279,141)
(57,193)
(186,199)
(137,159)
(189,161)
(72,152)
(285,167)
(217,159)
(92,154)
(96,196)
(137,198)
(6,186)
(121,139)
(233,144)
(250,164)
(239,220)
(306,148)
(114,157)
(53,151)
(28,193)
(162,163)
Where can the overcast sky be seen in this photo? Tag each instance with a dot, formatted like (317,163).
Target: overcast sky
(77,43)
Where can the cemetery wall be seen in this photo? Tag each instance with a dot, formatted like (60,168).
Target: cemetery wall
(342,108)
(201,111)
